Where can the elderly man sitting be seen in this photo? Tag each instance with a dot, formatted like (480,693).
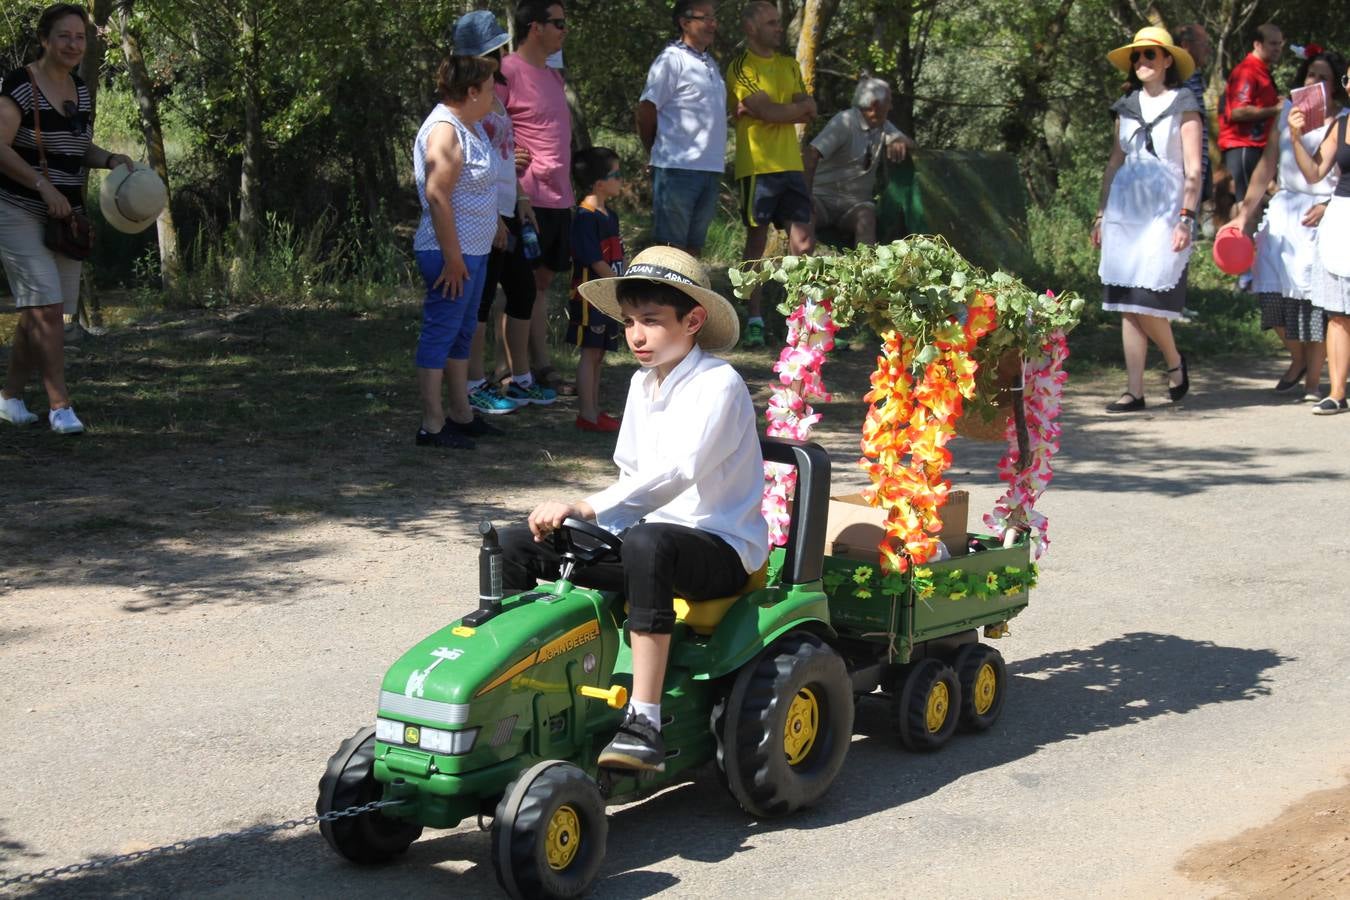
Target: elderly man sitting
(841,162)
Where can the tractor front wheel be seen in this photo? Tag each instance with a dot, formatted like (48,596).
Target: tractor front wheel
(784,728)
(548,835)
(370,838)
(928,705)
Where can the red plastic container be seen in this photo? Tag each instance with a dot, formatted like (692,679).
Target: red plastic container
(1233,250)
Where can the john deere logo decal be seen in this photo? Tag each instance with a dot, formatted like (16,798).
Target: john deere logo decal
(582,634)
(412,735)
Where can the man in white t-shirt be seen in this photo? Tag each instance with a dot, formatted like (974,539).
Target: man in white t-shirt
(842,161)
(682,121)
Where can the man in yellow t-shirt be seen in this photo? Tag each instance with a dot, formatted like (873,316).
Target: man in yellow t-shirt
(767,98)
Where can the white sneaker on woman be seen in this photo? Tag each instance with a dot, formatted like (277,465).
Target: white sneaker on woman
(13,410)
(64,421)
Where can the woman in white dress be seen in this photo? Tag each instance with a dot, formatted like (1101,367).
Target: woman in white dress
(1286,242)
(1146,212)
(1331,267)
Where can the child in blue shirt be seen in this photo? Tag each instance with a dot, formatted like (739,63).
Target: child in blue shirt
(597,252)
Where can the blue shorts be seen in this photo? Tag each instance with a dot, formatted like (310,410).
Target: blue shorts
(448,323)
(777,197)
(684,202)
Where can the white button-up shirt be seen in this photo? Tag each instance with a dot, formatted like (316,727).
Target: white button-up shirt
(688,454)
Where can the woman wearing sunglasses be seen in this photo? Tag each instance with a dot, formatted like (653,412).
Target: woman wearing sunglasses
(47,94)
(1286,242)
(1331,268)
(1146,211)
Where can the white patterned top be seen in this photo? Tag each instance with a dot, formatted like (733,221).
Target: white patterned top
(474,199)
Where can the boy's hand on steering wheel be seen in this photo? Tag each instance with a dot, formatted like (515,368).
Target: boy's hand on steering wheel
(549,515)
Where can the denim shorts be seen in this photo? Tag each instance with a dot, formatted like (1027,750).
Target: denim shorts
(448,323)
(684,202)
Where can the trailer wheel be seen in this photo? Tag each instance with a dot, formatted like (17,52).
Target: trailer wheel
(349,780)
(928,705)
(548,835)
(784,728)
(984,679)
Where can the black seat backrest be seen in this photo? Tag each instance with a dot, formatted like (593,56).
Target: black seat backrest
(809,506)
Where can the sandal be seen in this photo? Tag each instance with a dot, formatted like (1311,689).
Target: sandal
(548,376)
(1134,404)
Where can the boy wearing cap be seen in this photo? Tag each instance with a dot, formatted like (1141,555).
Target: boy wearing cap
(687,500)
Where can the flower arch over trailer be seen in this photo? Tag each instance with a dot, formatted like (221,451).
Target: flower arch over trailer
(945,326)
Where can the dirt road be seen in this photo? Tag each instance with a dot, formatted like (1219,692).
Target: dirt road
(185,638)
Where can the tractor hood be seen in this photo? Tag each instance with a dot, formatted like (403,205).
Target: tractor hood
(436,681)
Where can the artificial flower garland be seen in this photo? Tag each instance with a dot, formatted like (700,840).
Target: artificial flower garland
(1043,380)
(811,331)
(945,584)
(915,416)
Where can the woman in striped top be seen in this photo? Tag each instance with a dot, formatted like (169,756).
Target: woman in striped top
(45,284)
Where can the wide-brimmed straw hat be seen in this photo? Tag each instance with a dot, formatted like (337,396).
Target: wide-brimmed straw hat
(478,33)
(669,266)
(132,199)
(1153,36)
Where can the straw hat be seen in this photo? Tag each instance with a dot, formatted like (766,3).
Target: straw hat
(1153,36)
(132,200)
(667,265)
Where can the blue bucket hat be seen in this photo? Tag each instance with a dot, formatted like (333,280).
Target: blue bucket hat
(478,34)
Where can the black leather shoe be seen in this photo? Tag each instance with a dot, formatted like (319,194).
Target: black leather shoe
(1134,404)
(1178,391)
(1285,384)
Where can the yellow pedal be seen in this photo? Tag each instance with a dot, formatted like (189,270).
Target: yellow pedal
(616,696)
(462,631)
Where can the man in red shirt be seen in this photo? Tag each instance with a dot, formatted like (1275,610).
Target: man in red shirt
(1250,104)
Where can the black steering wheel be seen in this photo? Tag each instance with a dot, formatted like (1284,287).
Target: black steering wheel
(579,541)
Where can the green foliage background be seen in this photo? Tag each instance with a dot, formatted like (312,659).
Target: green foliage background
(342,86)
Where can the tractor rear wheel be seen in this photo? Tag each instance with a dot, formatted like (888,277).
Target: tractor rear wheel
(927,708)
(785,726)
(548,835)
(984,679)
(370,838)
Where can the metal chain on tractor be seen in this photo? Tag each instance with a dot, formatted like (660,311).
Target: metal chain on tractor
(180,846)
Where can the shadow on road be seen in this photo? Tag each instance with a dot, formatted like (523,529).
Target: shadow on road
(1062,696)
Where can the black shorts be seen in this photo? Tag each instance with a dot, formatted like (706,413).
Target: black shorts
(555,239)
(588,327)
(777,197)
(512,271)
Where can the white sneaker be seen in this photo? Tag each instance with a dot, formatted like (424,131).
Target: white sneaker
(13,410)
(64,421)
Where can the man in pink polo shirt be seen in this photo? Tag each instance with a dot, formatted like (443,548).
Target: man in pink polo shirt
(534,99)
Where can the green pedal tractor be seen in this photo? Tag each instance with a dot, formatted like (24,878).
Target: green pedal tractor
(504,712)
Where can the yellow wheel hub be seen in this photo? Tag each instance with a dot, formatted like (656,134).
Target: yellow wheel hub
(986,689)
(803,724)
(939,701)
(564,838)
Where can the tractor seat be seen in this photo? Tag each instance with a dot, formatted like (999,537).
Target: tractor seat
(703,616)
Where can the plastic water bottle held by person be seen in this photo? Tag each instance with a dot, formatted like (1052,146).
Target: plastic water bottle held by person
(529,239)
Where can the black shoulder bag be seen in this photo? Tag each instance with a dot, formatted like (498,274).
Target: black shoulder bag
(72,236)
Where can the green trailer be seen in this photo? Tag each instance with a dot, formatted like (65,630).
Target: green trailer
(502,714)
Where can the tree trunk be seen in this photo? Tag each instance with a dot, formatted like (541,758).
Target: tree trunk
(250,180)
(90,311)
(154,142)
(581,134)
(807,44)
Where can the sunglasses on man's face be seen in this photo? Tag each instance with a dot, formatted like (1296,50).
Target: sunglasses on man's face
(1149,55)
(614,176)
(560,24)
